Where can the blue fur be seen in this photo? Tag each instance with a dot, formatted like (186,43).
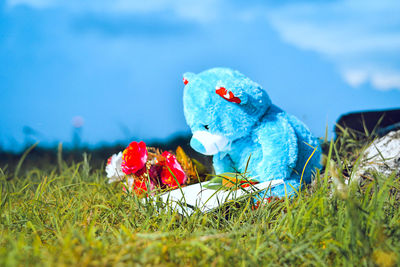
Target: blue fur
(278,143)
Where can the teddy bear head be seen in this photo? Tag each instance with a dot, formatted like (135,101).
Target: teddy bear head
(220,106)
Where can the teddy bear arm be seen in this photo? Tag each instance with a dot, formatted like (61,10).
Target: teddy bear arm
(222,165)
(279,147)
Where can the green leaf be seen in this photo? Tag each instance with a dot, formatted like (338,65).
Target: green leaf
(215,183)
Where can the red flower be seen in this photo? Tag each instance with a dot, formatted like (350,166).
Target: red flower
(134,158)
(140,187)
(172,165)
(137,186)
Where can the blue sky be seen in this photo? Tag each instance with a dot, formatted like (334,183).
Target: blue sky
(118,64)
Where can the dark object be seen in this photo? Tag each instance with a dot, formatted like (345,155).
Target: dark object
(381,122)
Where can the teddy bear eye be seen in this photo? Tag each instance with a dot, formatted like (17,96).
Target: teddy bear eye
(206,127)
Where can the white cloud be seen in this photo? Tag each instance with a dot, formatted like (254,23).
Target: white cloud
(355,77)
(356,33)
(386,80)
(380,79)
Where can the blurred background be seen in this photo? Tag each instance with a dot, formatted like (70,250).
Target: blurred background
(95,73)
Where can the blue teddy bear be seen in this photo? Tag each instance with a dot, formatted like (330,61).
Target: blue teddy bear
(232,118)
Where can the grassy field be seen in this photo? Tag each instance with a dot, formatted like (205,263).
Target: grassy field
(67,214)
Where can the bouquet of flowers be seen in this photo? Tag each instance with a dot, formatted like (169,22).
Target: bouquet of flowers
(143,170)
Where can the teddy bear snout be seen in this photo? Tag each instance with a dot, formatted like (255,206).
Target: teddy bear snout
(207,143)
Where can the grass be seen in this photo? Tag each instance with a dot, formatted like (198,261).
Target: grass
(67,214)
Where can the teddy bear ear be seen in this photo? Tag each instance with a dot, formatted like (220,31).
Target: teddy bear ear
(187,77)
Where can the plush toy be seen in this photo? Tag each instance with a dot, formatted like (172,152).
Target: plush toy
(233,119)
